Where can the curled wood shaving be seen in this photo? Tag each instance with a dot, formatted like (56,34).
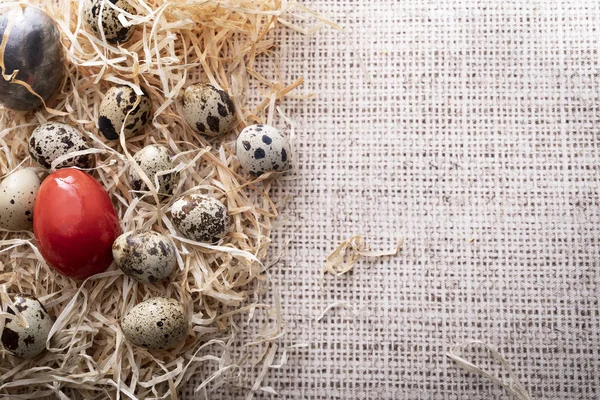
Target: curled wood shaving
(347,254)
(513,386)
(338,304)
(177,43)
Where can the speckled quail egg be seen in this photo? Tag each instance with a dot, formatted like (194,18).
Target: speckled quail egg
(262,148)
(153,159)
(115,105)
(208,110)
(156,323)
(17,195)
(200,218)
(114,31)
(27,342)
(52,140)
(145,256)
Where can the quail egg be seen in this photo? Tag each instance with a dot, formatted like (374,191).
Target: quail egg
(27,342)
(115,105)
(17,196)
(114,31)
(153,159)
(156,323)
(145,256)
(208,110)
(200,218)
(52,140)
(262,148)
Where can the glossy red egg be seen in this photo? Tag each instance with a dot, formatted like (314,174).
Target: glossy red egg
(75,223)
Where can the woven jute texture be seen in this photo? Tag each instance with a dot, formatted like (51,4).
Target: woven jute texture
(478,141)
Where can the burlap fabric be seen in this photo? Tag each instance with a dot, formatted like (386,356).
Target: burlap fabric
(478,140)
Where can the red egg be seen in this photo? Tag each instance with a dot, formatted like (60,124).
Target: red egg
(75,223)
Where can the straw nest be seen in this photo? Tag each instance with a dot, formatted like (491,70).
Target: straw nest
(177,42)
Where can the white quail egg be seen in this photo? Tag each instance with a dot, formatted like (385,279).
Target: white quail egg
(153,159)
(145,256)
(52,140)
(262,148)
(17,195)
(156,323)
(200,218)
(115,105)
(27,342)
(114,31)
(208,110)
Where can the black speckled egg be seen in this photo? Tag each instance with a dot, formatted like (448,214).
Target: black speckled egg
(27,342)
(262,148)
(200,218)
(114,31)
(35,50)
(53,140)
(117,102)
(156,323)
(208,110)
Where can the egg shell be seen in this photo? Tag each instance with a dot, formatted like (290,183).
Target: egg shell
(75,223)
(27,342)
(114,107)
(145,256)
(156,323)
(153,159)
(17,197)
(208,110)
(34,49)
(52,140)
(114,31)
(262,148)
(200,218)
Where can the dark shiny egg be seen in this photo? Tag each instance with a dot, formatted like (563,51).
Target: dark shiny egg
(35,51)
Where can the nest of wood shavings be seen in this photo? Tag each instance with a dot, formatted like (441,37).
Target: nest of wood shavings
(177,43)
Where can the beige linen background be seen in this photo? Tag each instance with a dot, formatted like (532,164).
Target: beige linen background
(478,141)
